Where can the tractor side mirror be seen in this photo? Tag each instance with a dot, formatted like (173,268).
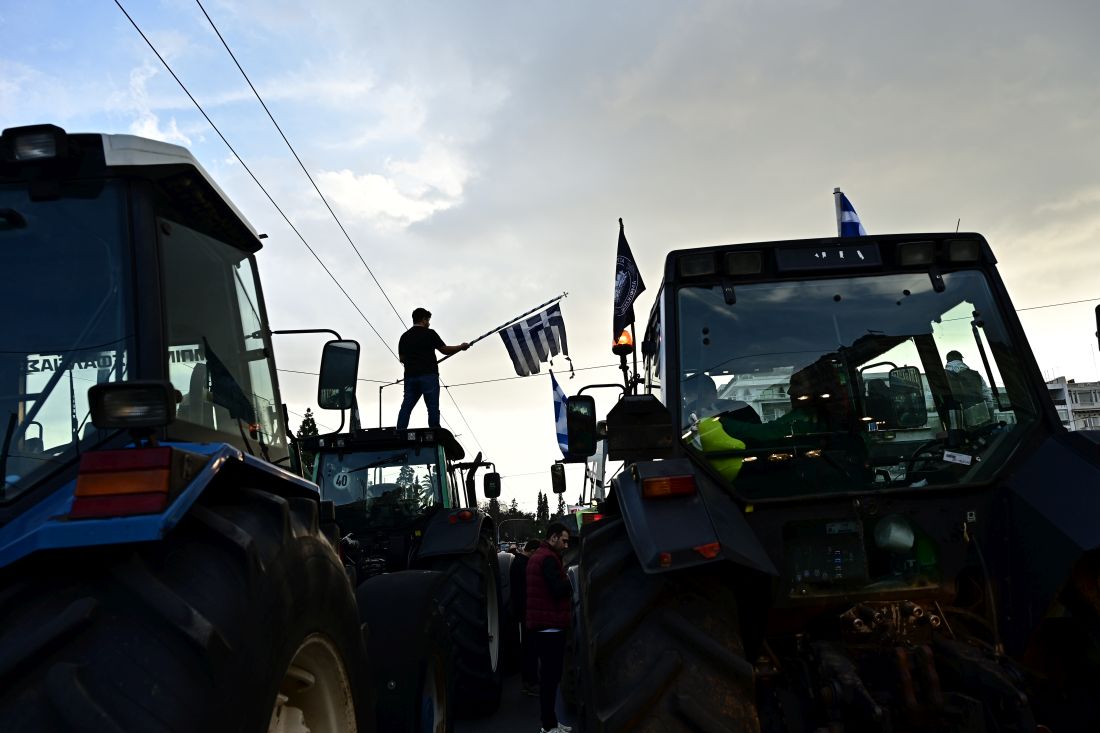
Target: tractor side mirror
(580,426)
(557,478)
(907,389)
(491,485)
(339,370)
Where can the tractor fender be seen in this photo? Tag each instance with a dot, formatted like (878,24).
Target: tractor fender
(46,526)
(447,533)
(681,531)
(1051,518)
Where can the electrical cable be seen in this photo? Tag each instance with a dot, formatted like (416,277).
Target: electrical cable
(300,163)
(253,175)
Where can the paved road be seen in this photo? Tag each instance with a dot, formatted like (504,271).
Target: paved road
(518,713)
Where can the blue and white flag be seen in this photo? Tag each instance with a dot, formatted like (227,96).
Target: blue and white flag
(559,415)
(847,220)
(534,340)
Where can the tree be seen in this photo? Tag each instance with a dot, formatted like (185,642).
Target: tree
(561,507)
(306,428)
(542,513)
(513,508)
(493,510)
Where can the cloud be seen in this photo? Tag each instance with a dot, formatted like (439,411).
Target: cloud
(146,122)
(405,193)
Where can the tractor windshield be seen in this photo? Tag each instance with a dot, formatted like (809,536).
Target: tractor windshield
(850,384)
(65,284)
(384,488)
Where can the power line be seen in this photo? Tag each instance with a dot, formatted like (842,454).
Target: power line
(250,173)
(1055,305)
(300,163)
(466,384)
(326,203)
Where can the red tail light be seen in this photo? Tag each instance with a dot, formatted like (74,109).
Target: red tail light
(709,550)
(117,483)
(663,487)
(464,515)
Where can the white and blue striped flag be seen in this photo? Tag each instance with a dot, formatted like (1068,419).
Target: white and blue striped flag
(847,220)
(559,415)
(534,340)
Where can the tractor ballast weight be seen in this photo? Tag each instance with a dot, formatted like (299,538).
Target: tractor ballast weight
(840,509)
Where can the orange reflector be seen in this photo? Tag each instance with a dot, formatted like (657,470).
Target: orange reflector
(123,482)
(709,550)
(664,559)
(666,486)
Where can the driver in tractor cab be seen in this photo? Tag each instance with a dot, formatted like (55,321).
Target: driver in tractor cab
(819,404)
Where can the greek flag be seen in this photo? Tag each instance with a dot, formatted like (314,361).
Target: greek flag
(559,415)
(847,220)
(534,340)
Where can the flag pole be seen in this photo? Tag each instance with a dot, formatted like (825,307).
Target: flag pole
(634,355)
(836,201)
(509,322)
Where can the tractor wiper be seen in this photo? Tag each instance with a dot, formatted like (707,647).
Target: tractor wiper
(4,453)
(403,458)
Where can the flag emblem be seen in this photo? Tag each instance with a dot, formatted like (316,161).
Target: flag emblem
(628,286)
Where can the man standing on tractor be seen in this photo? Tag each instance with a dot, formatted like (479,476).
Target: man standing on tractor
(549,604)
(416,349)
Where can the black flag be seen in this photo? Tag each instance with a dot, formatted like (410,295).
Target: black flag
(628,286)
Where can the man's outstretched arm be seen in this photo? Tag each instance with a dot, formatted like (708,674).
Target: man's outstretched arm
(448,350)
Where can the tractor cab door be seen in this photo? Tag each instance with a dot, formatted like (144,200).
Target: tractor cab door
(219,352)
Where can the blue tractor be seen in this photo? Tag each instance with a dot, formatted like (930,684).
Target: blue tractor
(162,565)
(847,504)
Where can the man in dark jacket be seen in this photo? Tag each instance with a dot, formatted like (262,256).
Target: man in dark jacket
(416,350)
(549,606)
(517,575)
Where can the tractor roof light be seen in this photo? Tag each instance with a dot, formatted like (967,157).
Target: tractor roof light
(964,250)
(914,254)
(33,143)
(744,263)
(697,265)
(624,345)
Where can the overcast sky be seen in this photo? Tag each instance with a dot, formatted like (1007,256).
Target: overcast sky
(479,155)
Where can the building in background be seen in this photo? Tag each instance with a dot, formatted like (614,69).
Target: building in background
(1078,403)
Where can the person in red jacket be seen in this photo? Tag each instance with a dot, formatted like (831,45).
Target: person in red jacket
(549,604)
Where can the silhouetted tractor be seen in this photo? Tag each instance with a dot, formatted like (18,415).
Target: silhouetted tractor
(407,507)
(160,569)
(827,520)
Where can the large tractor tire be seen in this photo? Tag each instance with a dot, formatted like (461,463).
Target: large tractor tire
(410,651)
(509,624)
(660,652)
(240,620)
(471,604)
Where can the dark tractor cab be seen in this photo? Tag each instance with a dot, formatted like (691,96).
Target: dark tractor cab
(846,457)
(402,496)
